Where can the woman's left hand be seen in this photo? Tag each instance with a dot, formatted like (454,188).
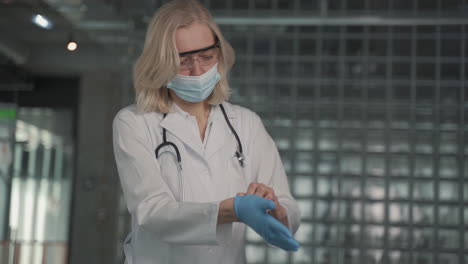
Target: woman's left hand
(266,192)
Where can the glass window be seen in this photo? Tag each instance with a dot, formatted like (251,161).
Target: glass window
(327,163)
(399,165)
(305,236)
(448,190)
(375,165)
(305,205)
(327,186)
(426,47)
(449,215)
(449,95)
(425,95)
(381,121)
(326,234)
(448,167)
(423,238)
(303,185)
(375,189)
(398,237)
(424,118)
(328,140)
(351,164)
(402,70)
(398,189)
(352,140)
(350,188)
(375,141)
(424,142)
(374,235)
(255,253)
(281,137)
(304,163)
(423,190)
(307,47)
(399,212)
(352,235)
(374,211)
(423,214)
(447,258)
(307,70)
(466,216)
(465,199)
(401,116)
(277,256)
(399,257)
(423,166)
(399,141)
(324,255)
(328,118)
(450,71)
(448,143)
(424,257)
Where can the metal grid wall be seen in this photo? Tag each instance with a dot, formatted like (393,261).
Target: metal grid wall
(367,102)
(371,124)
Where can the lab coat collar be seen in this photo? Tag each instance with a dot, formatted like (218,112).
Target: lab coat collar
(219,134)
(176,123)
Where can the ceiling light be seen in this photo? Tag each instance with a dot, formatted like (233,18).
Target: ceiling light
(72,45)
(42,21)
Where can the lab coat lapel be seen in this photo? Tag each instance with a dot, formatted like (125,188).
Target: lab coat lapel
(220,133)
(179,126)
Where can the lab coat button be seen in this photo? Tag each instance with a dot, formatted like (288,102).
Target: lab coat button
(210,250)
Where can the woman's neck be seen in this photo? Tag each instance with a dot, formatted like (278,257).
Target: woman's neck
(200,110)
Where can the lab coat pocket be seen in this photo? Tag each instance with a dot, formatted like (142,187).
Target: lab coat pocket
(238,175)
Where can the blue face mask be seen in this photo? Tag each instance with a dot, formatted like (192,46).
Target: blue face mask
(195,88)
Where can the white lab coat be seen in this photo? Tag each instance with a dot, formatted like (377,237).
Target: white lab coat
(166,229)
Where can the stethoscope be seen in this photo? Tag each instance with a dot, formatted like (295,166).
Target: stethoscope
(239,153)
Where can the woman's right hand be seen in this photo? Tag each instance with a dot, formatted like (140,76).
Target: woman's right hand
(252,211)
(262,190)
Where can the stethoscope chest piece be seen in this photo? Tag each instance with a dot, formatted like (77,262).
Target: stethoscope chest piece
(240,158)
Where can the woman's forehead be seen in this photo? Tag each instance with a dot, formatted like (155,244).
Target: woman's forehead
(194,36)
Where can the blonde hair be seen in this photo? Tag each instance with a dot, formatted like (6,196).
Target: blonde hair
(159,62)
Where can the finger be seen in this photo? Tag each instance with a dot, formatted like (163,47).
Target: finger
(270,191)
(267,205)
(281,236)
(278,228)
(291,245)
(252,187)
(271,197)
(241,194)
(261,191)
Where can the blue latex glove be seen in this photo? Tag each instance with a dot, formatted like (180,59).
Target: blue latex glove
(251,210)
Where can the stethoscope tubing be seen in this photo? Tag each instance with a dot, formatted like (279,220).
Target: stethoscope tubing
(239,152)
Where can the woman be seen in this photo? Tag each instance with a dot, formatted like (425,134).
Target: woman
(195,170)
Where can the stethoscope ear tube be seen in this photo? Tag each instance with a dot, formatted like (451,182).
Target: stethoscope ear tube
(239,153)
(167,143)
